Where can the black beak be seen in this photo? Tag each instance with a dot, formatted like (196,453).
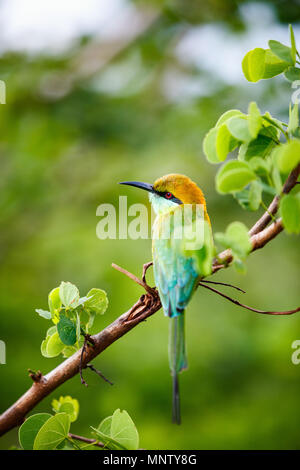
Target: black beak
(136,184)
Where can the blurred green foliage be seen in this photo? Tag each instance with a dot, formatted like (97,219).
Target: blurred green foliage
(65,144)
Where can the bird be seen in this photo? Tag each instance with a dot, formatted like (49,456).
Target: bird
(176,270)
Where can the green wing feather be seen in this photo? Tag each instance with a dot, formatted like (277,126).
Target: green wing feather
(175,274)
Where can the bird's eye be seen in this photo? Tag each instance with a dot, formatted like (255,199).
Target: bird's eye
(168,195)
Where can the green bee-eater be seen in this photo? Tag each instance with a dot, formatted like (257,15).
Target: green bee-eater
(175,269)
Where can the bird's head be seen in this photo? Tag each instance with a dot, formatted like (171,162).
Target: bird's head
(171,190)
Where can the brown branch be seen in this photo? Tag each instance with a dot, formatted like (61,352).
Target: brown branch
(236,302)
(147,305)
(141,282)
(86,439)
(98,372)
(222,284)
(273,207)
(258,241)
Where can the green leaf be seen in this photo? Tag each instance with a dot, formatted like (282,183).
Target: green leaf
(69,294)
(260,166)
(43,313)
(233,176)
(53,345)
(242,198)
(292,74)
(225,143)
(253,65)
(51,331)
(54,304)
(261,64)
(290,213)
(293,43)
(254,119)
(68,351)
(276,178)
(227,115)
(204,256)
(239,129)
(261,147)
(124,431)
(78,327)
(67,405)
(288,156)
(30,428)
(281,51)
(44,347)
(119,431)
(239,238)
(236,238)
(239,265)
(293,118)
(53,432)
(209,146)
(97,302)
(273,65)
(255,193)
(66,330)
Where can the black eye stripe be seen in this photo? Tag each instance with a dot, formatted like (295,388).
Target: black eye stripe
(172,198)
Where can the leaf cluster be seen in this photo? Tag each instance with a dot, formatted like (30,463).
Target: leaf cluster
(73,317)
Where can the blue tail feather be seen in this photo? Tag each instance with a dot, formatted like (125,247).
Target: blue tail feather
(177,359)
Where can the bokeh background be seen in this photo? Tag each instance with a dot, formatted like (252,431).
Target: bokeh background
(99,92)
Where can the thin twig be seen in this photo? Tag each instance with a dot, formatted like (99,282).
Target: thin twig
(236,302)
(146,266)
(142,283)
(36,376)
(224,284)
(98,372)
(94,442)
(81,361)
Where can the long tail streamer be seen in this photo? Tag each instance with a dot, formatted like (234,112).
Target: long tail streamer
(177,360)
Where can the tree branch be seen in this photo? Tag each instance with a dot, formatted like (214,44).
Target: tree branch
(273,207)
(93,442)
(147,305)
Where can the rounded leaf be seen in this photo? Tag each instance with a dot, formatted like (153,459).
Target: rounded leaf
(209,146)
(97,302)
(237,234)
(66,331)
(255,192)
(69,294)
(227,115)
(254,119)
(292,74)
(281,51)
(273,65)
(54,303)
(239,128)
(30,428)
(253,64)
(119,431)
(225,143)
(66,405)
(288,156)
(234,176)
(53,345)
(53,432)
(290,213)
